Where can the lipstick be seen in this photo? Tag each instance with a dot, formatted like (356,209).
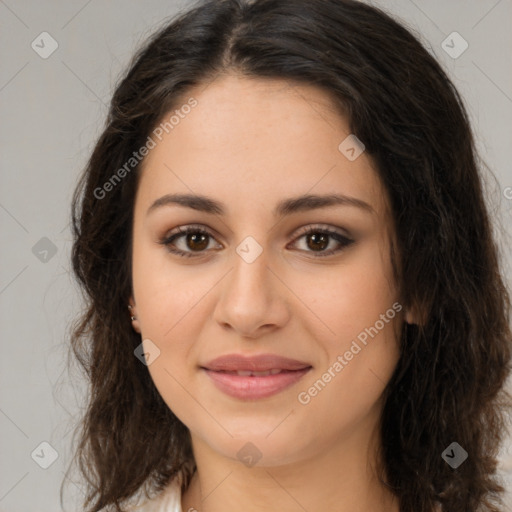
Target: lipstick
(254,377)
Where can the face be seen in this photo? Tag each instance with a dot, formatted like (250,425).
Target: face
(265,271)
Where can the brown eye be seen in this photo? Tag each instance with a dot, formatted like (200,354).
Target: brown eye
(317,239)
(188,241)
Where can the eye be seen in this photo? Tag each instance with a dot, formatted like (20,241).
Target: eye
(195,238)
(318,238)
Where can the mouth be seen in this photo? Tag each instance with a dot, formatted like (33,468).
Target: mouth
(247,385)
(253,378)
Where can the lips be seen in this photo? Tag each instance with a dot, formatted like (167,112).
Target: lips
(251,378)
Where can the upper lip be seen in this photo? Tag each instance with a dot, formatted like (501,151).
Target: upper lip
(258,363)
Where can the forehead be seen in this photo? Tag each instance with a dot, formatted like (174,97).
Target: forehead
(250,140)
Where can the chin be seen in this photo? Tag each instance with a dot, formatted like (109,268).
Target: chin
(252,446)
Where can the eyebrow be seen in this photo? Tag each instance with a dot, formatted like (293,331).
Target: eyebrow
(285,207)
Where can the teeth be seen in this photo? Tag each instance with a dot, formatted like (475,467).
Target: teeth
(247,373)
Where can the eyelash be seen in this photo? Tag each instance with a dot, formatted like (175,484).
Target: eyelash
(341,239)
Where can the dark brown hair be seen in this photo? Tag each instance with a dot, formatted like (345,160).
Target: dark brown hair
(449,382)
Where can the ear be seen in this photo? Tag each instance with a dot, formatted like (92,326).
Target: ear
(132,310)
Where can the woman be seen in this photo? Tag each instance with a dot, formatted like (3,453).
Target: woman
(294,296)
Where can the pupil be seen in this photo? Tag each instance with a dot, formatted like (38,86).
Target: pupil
(318,238)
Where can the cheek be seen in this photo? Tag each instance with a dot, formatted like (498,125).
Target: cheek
(346,300)
(171,310)
(362,317)
(165,293)
(347,389)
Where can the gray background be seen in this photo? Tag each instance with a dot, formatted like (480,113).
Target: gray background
(53,109)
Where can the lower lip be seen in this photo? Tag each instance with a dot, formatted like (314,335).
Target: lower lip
(253,388)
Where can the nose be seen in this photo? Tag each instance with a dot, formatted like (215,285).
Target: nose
(252,298)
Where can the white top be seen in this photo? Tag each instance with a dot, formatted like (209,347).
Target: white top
(169,500)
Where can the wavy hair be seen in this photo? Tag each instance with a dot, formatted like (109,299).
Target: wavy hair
(449,383)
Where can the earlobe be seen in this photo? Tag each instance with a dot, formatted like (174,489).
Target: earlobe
(410,317)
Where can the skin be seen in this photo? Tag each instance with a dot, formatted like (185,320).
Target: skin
(250,143)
